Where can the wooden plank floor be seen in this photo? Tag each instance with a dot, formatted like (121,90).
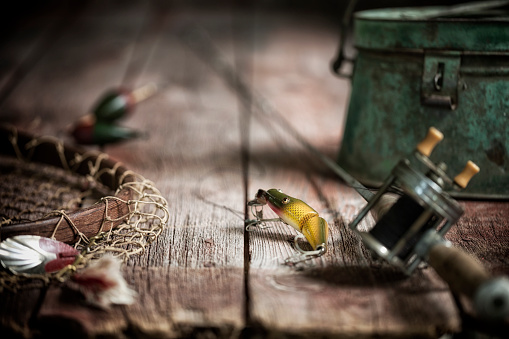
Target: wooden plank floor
(208,154)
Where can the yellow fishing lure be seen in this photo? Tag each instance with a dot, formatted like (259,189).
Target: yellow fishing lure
(296,213)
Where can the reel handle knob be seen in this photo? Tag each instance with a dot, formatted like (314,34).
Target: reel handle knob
(426,146)
(468,172)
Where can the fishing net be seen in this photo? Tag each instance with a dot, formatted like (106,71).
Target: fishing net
(82,198)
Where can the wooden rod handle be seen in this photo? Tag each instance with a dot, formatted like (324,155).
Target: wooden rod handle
(489,295)
(461,271)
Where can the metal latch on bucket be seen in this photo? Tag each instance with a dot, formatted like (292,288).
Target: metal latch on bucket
(440,79)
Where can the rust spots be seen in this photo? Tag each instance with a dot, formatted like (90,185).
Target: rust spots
(497,153)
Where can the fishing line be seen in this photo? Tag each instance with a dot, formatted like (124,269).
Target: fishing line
(155,20)
(47,39)
(199,41)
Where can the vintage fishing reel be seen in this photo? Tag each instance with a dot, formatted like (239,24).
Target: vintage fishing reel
(423,206)
(410,227)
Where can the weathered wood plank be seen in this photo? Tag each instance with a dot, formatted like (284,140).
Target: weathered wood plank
(183,301)
(88,58)
(18,308)
(197,279)
(28,34)
(336,301)
(483,231)
(192,155)
(344,291)
(172,302)
(65,311)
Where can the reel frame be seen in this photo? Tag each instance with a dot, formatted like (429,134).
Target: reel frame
(423,182)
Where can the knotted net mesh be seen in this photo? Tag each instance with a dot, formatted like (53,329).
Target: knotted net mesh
(82,198)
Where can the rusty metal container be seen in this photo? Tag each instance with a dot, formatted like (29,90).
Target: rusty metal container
(446,67)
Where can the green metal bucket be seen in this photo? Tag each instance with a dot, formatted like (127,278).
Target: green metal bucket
(432,66)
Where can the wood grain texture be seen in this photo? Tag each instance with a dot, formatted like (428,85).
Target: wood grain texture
(65,311)
(482,231)
(208,153)
(344,291)
(182,301)
(19,308)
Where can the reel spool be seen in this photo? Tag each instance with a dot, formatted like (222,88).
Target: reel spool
(410,228)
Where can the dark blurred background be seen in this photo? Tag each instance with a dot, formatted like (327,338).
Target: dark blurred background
(25,9)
